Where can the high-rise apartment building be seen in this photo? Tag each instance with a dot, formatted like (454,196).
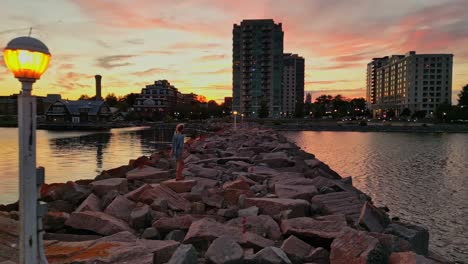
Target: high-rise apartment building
(293,83)
(419,82)
(257,66)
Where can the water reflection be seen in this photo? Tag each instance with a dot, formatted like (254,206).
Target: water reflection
(69,156)
(422,178)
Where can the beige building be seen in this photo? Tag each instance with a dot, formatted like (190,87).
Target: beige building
(419,82)
(293,83)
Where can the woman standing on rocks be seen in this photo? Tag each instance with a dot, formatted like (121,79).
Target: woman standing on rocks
(177,149)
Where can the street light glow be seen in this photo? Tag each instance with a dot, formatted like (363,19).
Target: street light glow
(26,57)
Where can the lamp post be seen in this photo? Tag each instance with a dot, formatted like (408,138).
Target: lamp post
(235,120)
(27,58)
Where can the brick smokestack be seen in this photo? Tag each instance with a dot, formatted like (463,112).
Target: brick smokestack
(98,87)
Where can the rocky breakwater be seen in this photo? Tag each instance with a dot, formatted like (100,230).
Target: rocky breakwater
(250,196)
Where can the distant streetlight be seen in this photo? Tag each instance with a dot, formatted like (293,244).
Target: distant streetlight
(235,119)
(27,58)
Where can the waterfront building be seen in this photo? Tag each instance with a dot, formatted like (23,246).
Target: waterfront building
(257,66)
(79,111)
(9,104)
(293,83)
(159,98)
(419,82)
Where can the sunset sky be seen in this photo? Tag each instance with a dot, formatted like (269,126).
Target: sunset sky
(189,42)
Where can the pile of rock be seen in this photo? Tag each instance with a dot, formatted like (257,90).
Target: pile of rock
(250,196)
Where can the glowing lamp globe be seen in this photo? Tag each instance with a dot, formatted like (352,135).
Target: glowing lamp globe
(235,112)
(27,58)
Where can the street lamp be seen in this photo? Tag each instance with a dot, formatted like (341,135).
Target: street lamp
(235,119)
(27,58)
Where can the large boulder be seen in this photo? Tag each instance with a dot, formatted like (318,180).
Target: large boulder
(202,172)
(202,232)
(305,192)
(91,203)
(346,203)
(98,251)
(224,250)
(118,172)
(416,235)
(271,255)
(179,186)
(213,197)
(319,231)
(135,194)
(231,196)
(274,206)
(9,234)
(296,249)
(120,208)
(101,187)
(373,218)
(162,249)
(409,258)
(140,216)
(175,201)
(262,225)
(54,221)
(185,254)
(239,184)
(98,222)
(166,224)
(148,174)
(353,246)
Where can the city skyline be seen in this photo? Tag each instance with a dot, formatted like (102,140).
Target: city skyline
(133,44)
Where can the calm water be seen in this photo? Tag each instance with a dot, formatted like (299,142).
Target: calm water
(422,178)
(69,156)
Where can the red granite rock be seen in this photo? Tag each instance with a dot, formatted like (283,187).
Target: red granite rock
(305,192)
(319,232)
(121,208)
(296,249)
(239,184)
(273,206)
(262,225)
(101,187)
(179,186)
(91,203)
(175,201)
(166,224)
(98,222)
(147,173)
(356,247)
(202,232)
(409,258)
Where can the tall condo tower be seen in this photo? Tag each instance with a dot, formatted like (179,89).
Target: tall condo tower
(257,66)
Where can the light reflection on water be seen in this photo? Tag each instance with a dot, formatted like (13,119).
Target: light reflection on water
(70,156)
(422,178)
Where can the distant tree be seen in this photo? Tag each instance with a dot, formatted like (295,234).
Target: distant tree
(130,99)
(323,99)
(419,114)
(405,113)
(111,100)
(463,96)
(299,109)
(443,110)
(263,110)
(390,113)
(84,97)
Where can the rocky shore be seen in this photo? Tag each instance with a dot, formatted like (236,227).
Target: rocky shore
(250,196)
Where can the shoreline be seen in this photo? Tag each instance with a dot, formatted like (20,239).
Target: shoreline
(254,175)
